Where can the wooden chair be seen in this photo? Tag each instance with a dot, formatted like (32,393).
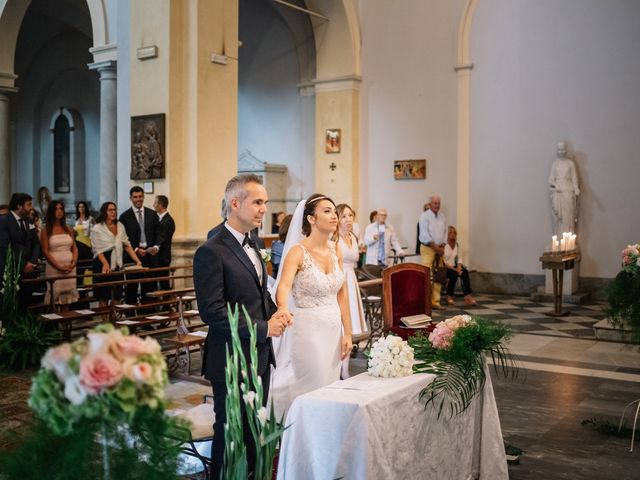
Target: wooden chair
(406,290)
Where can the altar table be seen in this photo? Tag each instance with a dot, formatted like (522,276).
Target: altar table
(376,428)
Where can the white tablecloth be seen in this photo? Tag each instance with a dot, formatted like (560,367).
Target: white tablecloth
(374,428)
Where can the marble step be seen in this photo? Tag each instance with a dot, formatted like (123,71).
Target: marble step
(605,331)
(577,298)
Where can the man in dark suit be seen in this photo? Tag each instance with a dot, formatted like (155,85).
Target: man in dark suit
(167,228)
(17,230)
(141,225)
(228,269)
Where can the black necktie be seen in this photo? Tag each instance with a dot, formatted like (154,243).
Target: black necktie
(248,240)
(23,224)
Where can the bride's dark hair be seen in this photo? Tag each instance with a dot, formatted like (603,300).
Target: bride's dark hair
(310,209)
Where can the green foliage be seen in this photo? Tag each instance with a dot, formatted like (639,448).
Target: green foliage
(460,372)
(25,341)
(245,391)
(10,288)
(624,303)
(145,447)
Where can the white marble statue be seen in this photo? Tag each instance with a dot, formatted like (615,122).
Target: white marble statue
(564,191)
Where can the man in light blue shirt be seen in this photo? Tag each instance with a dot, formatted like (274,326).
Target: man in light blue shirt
(432,236)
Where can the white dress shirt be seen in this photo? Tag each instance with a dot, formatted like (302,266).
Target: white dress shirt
(251,252)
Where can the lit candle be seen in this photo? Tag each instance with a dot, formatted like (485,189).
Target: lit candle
(554,247)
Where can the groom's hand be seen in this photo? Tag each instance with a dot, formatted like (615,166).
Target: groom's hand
(277,325)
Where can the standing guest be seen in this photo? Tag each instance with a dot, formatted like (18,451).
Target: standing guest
(456,269)
(228,270)
(373,216)
(109,239)
(4,209)
(36,220)
(433,236)
(167,228)
(82,228)
(44,198)
(61,253)
(142,226)
(380,237)
(17,231)
(348,243)
(275,228)
(425,207)
(278,245)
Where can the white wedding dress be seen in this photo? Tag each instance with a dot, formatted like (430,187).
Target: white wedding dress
(308,356)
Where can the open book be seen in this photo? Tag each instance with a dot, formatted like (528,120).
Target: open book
(416,321)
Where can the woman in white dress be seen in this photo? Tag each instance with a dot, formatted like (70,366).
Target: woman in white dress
(309,354)
(348,243)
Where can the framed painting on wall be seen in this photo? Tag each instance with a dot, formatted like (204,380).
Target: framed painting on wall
(332,140)
(148,147)
(410,169)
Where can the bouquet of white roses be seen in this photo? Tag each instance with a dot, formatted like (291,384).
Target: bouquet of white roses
(108,376)
(390,356)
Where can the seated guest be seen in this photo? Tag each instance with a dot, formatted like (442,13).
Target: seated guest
(61,253)
(455,269)
(278,245)
(108,240)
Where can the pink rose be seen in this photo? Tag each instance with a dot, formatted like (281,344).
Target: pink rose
(133,346)
(57,359)
(458,321)
(441,336)
(98,372)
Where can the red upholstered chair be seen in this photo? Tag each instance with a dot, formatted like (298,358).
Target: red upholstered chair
(406,290)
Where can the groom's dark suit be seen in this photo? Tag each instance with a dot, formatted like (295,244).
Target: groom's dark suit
(223,273)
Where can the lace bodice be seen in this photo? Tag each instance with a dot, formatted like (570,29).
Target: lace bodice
(314,288)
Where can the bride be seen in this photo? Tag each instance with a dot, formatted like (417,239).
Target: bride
(309,355)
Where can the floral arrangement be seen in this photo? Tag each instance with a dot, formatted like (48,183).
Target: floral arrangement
(245,392)
(631,258)
(454,351)
(390,356)
(265,254)
(101,407)
(108,374)
(624,294)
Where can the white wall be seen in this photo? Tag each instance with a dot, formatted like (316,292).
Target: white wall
(275,123)
(546,71)
(408,107)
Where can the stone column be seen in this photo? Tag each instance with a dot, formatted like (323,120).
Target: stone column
(5,149)
(108,129)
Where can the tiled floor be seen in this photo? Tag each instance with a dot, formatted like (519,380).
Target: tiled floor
(527,316)
(566,377)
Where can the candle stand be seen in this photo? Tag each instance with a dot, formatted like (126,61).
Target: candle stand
(558,262)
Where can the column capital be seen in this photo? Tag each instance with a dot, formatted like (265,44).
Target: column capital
(344,82)
(107,69)
(8,82)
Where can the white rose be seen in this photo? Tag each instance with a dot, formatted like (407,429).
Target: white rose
(100,343)
(74,391)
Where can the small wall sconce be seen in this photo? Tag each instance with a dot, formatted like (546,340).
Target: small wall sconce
(218,58)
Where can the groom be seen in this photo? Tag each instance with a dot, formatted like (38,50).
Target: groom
(228,269)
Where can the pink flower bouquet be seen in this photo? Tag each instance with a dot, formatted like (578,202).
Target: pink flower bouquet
(108,374)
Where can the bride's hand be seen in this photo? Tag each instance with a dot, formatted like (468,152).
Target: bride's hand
(347,345)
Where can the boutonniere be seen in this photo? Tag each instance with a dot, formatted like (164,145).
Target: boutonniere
(265,254)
